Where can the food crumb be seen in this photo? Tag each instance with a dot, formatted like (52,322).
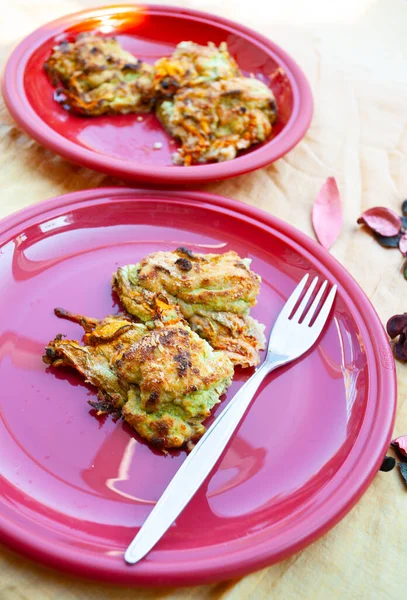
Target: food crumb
(140,119)
(157,145)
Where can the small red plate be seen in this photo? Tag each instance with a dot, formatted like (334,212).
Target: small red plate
(75,488)
(122,145)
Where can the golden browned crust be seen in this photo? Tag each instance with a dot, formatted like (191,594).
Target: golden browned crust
(192,64)
(240,337)
(213,292)
(163,381)
(217,281)
(179,379)
(214,122)
(105,340)
(169,364)
(164,431)
(97,76)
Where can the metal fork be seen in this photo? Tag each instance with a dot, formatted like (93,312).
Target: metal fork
(291,337)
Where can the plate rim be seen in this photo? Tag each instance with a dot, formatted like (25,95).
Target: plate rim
(246,561)
(21,110)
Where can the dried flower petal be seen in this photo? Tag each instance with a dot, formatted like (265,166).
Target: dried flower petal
(400,349)
(327,213)
(403,471)
(401,444)
(403,243)
(404,208)
(391,241)
(396,325)
(388,464)
(381,220)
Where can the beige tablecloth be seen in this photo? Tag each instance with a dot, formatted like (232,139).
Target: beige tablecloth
(354,53)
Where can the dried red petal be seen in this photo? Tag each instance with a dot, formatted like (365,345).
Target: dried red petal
(401,444)
(403,243)
(396,325)
(381,220)
(327,213)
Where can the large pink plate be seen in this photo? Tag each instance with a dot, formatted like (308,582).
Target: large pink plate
(75,488)
(123,145)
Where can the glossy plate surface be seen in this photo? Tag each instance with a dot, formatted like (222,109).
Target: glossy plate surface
(75,488)
(123,145)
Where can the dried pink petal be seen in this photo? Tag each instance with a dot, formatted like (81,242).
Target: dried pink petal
(381,220)
(327,213)
(401,444)
(403,243)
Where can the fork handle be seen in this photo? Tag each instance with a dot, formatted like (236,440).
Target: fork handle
(196,467)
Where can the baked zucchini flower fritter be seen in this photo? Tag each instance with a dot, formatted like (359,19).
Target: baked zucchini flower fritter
(99,77)
(215,121)
(180,378)
(191,65)
(213,292)
(163,381)
(104,342)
